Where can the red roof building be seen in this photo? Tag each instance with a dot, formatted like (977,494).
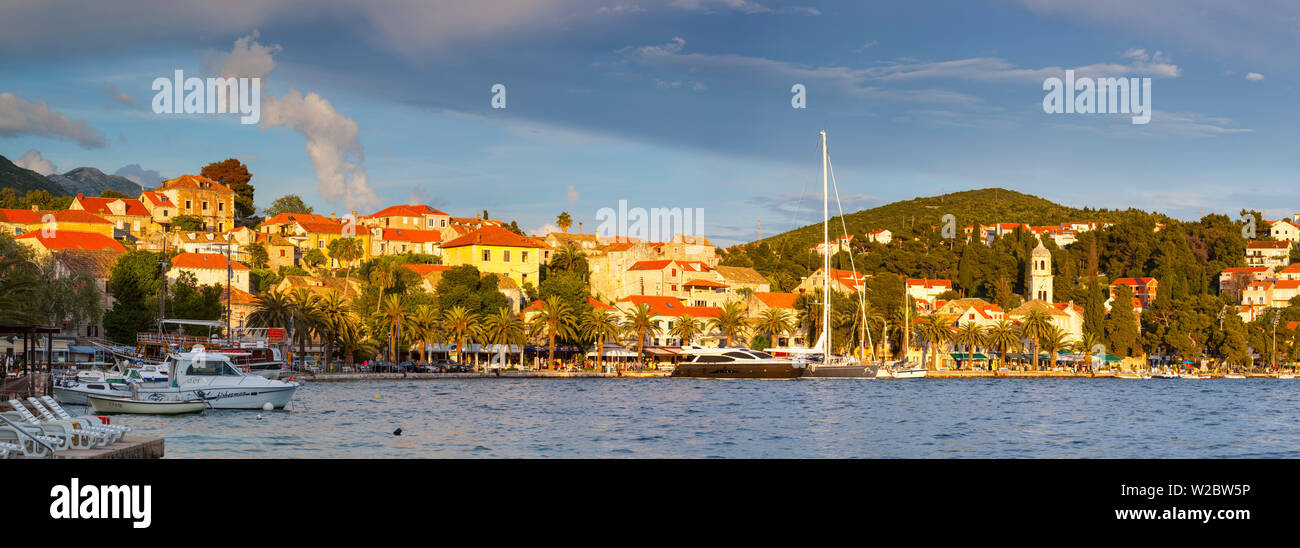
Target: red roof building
(70,239)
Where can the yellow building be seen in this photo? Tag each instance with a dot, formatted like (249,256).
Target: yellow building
(17,222)
(160,207)
(496,250)
(210,201)
(308,235)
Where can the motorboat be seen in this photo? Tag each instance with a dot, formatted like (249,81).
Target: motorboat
(734,363)
(103,404)
(911,372)
(214,378)
(1233,376)
(1132,375)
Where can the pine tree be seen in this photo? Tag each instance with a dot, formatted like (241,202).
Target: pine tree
(1094,308)
(1121,326)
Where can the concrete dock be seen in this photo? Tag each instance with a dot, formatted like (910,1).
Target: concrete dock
(129,447)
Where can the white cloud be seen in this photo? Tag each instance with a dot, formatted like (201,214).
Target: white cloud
(33,160)
(248,59)
(1254,76)
(332,143)
(20,117)
(544,229)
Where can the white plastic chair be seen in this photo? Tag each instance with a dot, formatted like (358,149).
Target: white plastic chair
(24,440)
(62,413)
(64,430)
(104,435)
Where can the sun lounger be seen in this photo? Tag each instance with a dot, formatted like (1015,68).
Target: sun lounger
(30,440)
(7,448)
(96,428)
(68,431)
(62,413)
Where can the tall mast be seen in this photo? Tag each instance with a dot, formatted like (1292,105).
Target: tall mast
(826,256)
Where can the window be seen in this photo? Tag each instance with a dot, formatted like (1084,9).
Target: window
(281,252)
(674,286)
(523,256)
(188,205)
(444,223)
(205,205)
(487,255)
(432,222)
(505,255)
(119,225)
(164,212)
(221,206)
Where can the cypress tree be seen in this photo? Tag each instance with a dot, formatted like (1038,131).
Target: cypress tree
(1094,308)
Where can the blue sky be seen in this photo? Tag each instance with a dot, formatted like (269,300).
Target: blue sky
(671,103)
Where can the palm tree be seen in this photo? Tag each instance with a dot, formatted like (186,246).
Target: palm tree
(306,318)
(393,316)
(640,321)
(346,250)
(970,336)
(599,326)
(1002,336)
(564,221)
(1036,326)
(936,330)
(730,321)
(686,328)
(383,276)
(352,337)
(774,321)
(1089,341)
(424,327)
(271,309)
(332,309)
(1056,339)
(459,324)
(555,319)
(808,313)
(569,259)
(503,328)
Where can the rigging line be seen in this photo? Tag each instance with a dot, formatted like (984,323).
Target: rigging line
(852,264)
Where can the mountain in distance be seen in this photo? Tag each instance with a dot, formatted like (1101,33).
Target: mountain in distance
(23,180)
(972,207)
(93,182)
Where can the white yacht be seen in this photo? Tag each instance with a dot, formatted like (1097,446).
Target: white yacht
(197,375)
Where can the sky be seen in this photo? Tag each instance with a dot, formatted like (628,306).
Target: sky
(668,103)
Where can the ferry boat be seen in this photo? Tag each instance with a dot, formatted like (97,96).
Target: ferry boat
(734,363)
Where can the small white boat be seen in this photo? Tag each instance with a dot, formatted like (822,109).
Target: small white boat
(1286,375)
(101,404)
(909,373)
(1233,376)
(1193,376)
(1131,375)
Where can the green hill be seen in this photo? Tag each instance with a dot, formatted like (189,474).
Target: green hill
(23,180)
(972,207)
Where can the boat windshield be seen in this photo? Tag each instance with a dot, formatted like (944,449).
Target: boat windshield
(211,368)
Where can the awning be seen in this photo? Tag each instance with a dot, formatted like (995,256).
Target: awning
(963,356)
(661,351)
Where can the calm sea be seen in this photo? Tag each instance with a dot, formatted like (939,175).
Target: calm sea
(999,418)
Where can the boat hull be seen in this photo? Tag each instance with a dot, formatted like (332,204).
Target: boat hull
(100,404)
(737,371)
(840,371)
(909,374)
(237,397)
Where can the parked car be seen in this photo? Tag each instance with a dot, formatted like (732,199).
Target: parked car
(407,367)
(449,366)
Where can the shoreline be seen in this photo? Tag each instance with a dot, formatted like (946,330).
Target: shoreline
(943,374)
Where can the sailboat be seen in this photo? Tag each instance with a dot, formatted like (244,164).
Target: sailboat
(830,365)
(904,369)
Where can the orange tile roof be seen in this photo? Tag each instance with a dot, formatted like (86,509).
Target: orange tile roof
(704,283)
(27,216)
(1287,284)
(321,228)
(408,235)
(1293,267)
(777,300)
(286,218)
(204,260)
(71,239)
(1260,244)
(99,206)
(423,269)
(158,199)
(492,236)
(405,211)
(192,181)
(923,282)
(238,296)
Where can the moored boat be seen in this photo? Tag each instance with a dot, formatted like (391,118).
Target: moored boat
(734,363)
(102,404)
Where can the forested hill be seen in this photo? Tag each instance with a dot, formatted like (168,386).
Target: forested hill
(971,207)
(23,180)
